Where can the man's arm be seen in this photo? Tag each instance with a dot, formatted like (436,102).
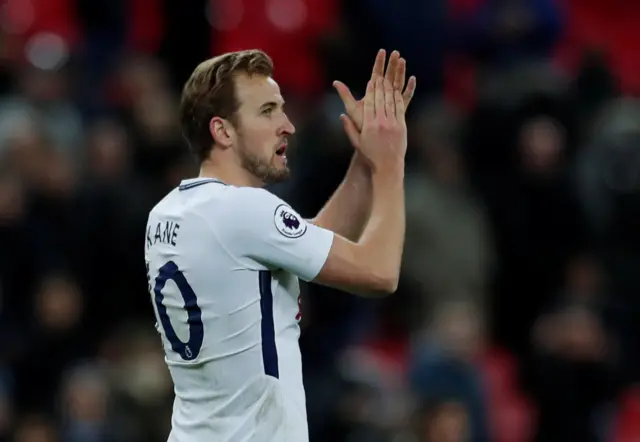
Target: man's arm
(373,263)
(347,211)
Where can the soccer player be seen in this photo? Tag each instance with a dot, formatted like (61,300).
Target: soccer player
(224,255)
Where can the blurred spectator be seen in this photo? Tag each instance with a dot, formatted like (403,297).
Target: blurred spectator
(533,204)
(42,97)
(85,406)
(609,194)
(11,199)
(143,393)
(109,153)
(507,32)
(36,428)
(593,87)
(55,335)
(444,364)
(604,26)
(577,360)
(448,254)
(443,420)
(374,404)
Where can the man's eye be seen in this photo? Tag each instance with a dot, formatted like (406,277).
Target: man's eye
(268,111)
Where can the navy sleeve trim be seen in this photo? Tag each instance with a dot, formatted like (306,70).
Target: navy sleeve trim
(191,185)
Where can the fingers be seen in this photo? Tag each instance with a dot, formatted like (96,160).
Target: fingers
(408,93)
(400,107)
(389,104)
(378,66)
(369,102)
(351,131)
(390,72)
(345,95)
(379,98)
(400,72)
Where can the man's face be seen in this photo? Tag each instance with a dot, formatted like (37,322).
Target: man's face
(263,128)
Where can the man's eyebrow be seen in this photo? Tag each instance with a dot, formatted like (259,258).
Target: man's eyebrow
(272,104)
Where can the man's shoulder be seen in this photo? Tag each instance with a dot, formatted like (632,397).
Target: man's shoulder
(162,205)
(249,201)
(254,193)
(232,209)
(247,212)
(194,199)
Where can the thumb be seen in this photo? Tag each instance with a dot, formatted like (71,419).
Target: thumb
(350,129)
(345,95)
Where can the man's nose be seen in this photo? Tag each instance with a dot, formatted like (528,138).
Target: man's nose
(288,128)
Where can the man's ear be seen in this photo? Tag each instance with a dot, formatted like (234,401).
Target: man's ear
(221,131)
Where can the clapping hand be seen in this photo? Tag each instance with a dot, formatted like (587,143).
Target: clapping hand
(395,74)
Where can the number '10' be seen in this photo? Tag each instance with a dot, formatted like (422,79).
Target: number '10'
(187,350)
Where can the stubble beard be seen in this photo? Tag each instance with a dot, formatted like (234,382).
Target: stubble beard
(265,170)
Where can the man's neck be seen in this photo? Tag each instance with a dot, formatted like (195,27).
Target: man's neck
(234,176)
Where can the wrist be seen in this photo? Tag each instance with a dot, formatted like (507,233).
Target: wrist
(359,163)
(392,169)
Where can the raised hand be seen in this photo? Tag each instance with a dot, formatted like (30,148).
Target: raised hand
(395,74)
(383,139)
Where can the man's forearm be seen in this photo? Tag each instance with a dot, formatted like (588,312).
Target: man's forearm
(384,234)
(347,211)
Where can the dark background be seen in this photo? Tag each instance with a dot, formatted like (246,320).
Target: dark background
(518,316)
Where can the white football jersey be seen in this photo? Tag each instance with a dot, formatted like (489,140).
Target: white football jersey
(223,264)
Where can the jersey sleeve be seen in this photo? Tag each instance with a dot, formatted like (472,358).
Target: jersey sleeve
(260,226)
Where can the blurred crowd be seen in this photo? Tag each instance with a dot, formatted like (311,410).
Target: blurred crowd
(517,317)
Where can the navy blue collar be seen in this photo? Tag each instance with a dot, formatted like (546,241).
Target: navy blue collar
(195,182)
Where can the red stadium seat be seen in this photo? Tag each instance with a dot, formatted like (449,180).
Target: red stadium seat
(628,422)
(510,412)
